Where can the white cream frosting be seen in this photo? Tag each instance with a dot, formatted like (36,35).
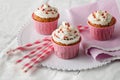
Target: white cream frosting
(66,34)
(46,11)
(100,17)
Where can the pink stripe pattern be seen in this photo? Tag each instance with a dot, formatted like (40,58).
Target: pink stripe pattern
(28,46)
(34,52)
(38,58)
(38,51)
(82,28)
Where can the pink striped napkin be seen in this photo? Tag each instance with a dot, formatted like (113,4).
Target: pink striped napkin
(99,50)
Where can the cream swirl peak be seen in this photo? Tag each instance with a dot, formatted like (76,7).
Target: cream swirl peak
(100,17)
(46,11)
(66,34)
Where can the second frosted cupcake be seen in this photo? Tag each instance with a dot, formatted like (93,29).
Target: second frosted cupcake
(45,19)
(66,41)
(101,25)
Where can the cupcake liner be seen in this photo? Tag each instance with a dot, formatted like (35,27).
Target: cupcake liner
(66,52)
(45,27)
(101,33)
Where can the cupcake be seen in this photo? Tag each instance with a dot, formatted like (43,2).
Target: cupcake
(45,19)
(66,40)
(101,25)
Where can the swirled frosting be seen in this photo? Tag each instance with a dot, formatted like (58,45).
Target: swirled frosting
(66,34)
(100,17)
(46,11)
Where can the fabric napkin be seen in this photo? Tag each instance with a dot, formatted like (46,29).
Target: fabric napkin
(99,50)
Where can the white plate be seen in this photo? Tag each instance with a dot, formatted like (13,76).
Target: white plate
(81,62)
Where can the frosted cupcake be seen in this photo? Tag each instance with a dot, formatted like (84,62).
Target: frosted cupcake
(45,19)
(101,25)
(66,40)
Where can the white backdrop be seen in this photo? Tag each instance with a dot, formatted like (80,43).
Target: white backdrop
(13,14)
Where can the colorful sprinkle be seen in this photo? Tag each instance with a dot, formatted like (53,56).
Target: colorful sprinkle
(52,12)
(46,12)
(67,24)
(102,14)
(58,31)
(62,31)
(48,6)
(75,31)
(42,6)
(49,10)
(56,35)
(98,19)
(94,15)
(43,9)
(76,34)
(65,37)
